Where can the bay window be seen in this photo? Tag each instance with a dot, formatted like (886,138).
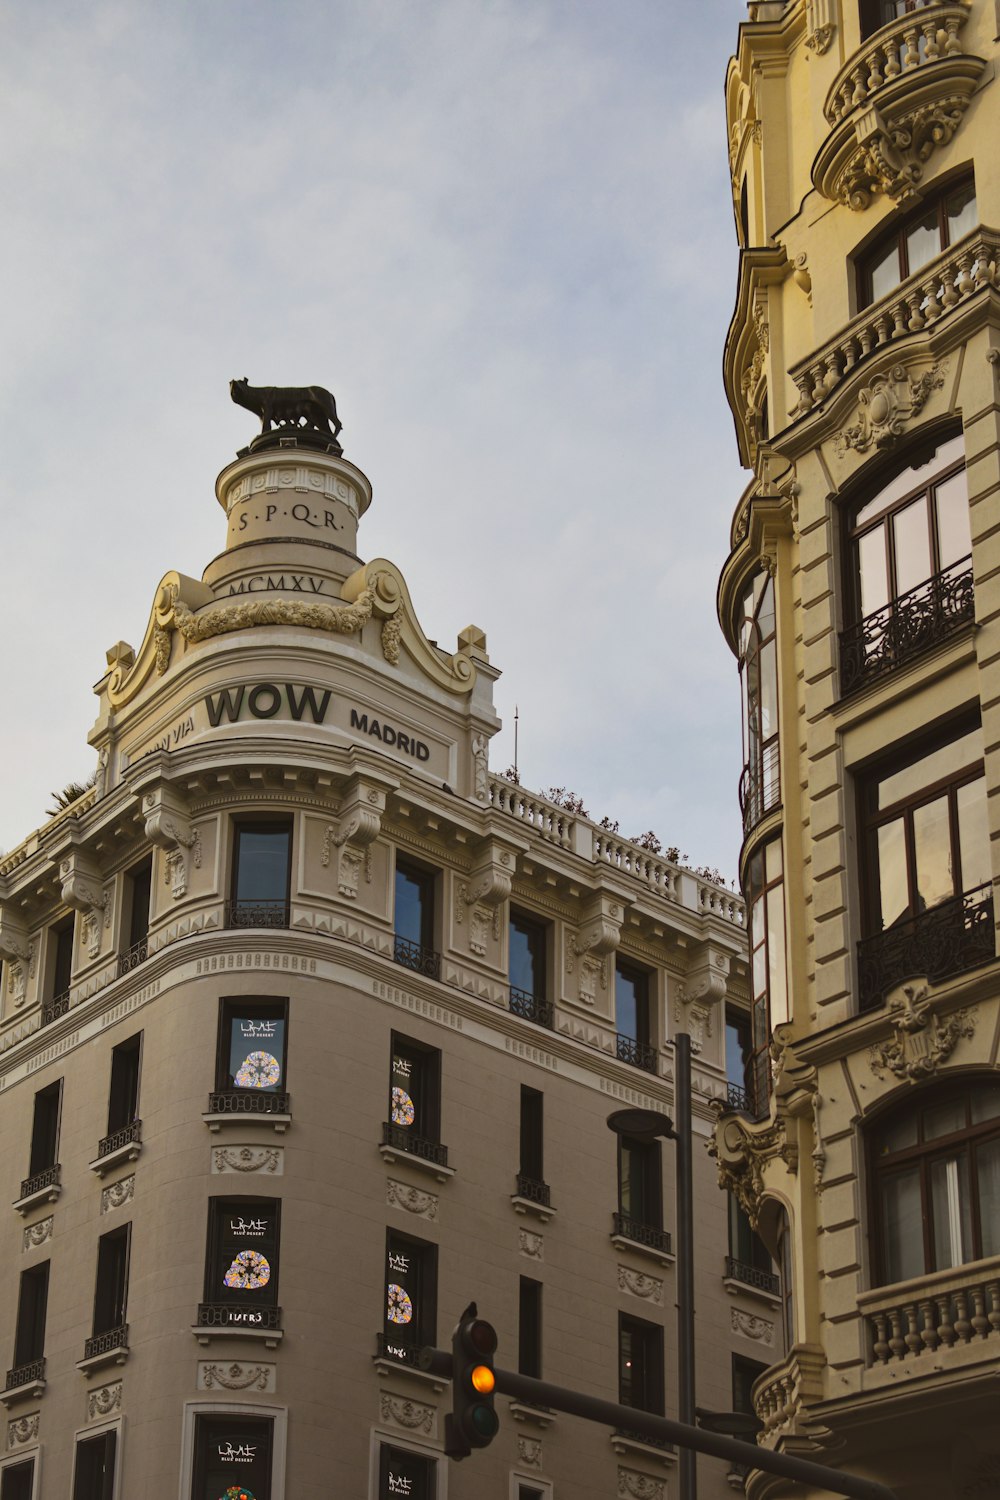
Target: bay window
(760,781)
(765,898)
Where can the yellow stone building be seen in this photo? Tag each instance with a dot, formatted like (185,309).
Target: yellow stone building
(861,596)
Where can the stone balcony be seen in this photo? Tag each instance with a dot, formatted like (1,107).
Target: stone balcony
(898,98)
(951,1316)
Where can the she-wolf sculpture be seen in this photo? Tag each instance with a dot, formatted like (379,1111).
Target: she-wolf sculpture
(307,406)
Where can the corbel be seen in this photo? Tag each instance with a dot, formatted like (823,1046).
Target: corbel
(168,825)
(362,808)
(486,890)
(18,950)
(703,988)
(597,935)
(83,890)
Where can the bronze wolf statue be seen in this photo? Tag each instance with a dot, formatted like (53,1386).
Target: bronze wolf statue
(308,406)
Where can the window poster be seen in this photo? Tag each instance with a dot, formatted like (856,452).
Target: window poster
(232,1458)
(246,1259)
(405,1474)
(403,1109)
(402,1276)
(257,1052)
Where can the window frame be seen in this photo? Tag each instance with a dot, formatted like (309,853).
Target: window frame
(278,1417)
(115,1298)
(431,1460)
(137,878)
(34,1165)
(426,879)
(426,1061)
(650,1336)
(38,1273)
(530,1305)
(131,1044)
(649,1154)
(531,1134)
(422,1290)
(236,1007)
(98,1433)
(269,905)
(535,929)
(62,945)
(760,779)
(898,229)
(216,1293)
(17,1461)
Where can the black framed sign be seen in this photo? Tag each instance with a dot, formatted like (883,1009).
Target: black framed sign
(232,1458)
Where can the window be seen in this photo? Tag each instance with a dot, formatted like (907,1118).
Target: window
(632,1016)
(44,1135)
(531,1174)
(640,1364)
(925,838)
(410,1296)
(738,1050)
(123,1103)
(62,968)
(138,887)
(528,948)
(640,1199)
(111,1294)
(745,1372)
(402,1473)
(17,1480)
(916,239)
(528,1492)
(262,857)
(910,565)
(760,781)
(769,987)
(414,920)
(94,1470)
(414,1123)
(251,1054)
(529,1328)
(748,1261)
(232,1453)
(241,1267)
(783,1248)
(29,1337)
(936,1169)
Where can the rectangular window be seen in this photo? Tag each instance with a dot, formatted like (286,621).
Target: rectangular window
(414,1091)
(17,1481)
(529,1328)
(410,1294)
(532,1163)
(33,1295)
(739,1047)
(111,1293)
(241,1268)
(140,883)
(413,919)
(640,1198)
(632,1016)
(94,1470)
(640,1364)
(406,1474)
(45,1129)
(251,1053)
(745,1372)
(528,1492)
(262,863)
(123,1102)
(232,1453)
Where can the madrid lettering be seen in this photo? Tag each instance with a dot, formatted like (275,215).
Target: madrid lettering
(390,736)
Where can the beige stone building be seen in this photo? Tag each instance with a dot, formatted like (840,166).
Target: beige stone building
(862,598)
(310,1029)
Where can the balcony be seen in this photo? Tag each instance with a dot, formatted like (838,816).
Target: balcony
(54,1008)
(893,103)
(533,1197)
(121,1146)
(399,1144)
(223,1319)
(133,957)
(916,622)
(413,956)
(950,281)
(107,1348)
(947,939)
(257,914)
(24,1382)
(629,1233)
(760,785)
(752,1277)
(640,1054)
(921,1320)
(744,1100)
(235,1105)
(41,1187)
(531,1007)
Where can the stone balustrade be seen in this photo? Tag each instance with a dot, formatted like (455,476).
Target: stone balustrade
(914,1319)
(915,40)
(658,874)
(545,818)
(915,305)
(787,1389)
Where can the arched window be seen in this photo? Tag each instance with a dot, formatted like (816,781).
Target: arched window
(759,784)
(910,564)
(936,1182)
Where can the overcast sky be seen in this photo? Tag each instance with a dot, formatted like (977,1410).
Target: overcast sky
(500,231)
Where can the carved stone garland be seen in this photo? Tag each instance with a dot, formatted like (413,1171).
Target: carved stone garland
(105,1400)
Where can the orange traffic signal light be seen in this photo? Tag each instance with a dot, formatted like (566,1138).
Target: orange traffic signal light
(473,1422)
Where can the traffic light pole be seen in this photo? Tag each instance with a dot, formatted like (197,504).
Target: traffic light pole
(660,1429)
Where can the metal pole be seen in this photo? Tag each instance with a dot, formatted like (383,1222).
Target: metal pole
(685,1261)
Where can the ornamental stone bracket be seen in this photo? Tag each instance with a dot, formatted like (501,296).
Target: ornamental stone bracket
(485,891)
(588,947)
(922,1040)
(83,890)
(703,990)
(168,825)
(19,953)
(744,1151)
(820,25)
(886,405)
(362,808)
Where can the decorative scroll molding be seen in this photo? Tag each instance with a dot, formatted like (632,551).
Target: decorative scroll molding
(390,601)
(19,951)
(217,1376)
(105,1400)
(633,1485)
(34,1235)
(638,1284)
(169,827)
(23,1430)
(531,1244)
(117,1193)
(83,890)
(922,1041)
(410,1199)
(529,1452)
(597,936)
(886,405)
(484,893)
(743,1150)
(266,1159)
(361,810)
(704,988)
(413,1415)
(761,1330)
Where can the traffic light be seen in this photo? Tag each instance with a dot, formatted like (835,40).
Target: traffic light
(473,1422)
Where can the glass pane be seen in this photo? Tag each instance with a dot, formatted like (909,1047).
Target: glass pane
(765,611)
(923,241)
(527,956)
(935,875)
(944,1119)
(630,1004)
(897,1136)
(873,571)
(772,860)
(984,1103)
(885,272)
(759,962)
(950,1208)
(902,1227)
(954,537)
(961,214)
(256,1051)
(973,834)
(768,691)
(737,1050)
(947,761)
(912,543)
(893,893)
(988,1173)
(262,870)
(756,924)
(414,915)
(777,996)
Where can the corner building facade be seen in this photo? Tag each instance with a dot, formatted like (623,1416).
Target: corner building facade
(861,598)
(310,1031)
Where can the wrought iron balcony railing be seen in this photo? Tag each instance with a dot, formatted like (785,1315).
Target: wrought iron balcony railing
(118,1138)
(639,1054)
(226,1315)
(534,1190)
(54,1008)
(133,957)
(249,1102)
(106,1342)
(752,1276)
(531,1007)
(919,619)
(642,1234)
(760,785)
(946,939)
(47,1177)
(257,914)
(27,1374)
(401,1139)
(413,956)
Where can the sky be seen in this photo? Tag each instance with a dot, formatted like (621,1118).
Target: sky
(501,232)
